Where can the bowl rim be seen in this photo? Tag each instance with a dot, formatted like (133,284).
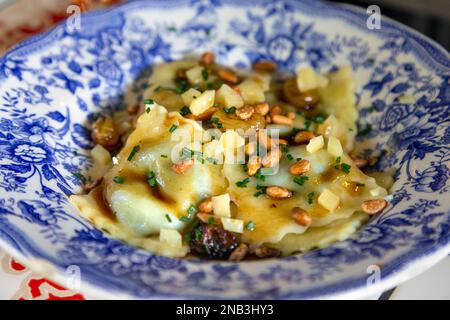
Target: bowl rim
(401,269)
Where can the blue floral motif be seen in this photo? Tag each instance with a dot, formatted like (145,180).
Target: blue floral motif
(48,98)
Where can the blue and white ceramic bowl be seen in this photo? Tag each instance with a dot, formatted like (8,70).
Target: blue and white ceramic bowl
(51,84)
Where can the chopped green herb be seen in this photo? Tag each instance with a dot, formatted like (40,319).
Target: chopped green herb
(158,89)
(191,210)
(148,110)
(173,128)
(231,110)
(197,234)
(215,121)
(211,221)
(207,249)
(284,148)
(182,85)
(184,219)
(151,179)
(257,194)
(310,197)
(205,74)
(164,156)
(149,101)
(168,218)
(80,177)
(245,168)
(119,180)
(250,226)
(187,153)
(212,160)
(337,163)
(345,167)
(133,152)
(260,176)
(301,180)
(371,109)
(185,111)
(243,183)
(187,238)
(289,157)
(261,190)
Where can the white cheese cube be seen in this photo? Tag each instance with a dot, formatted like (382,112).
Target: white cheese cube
(171,237)
(252,91)
(233,225)
(227,97)
(308,79)
(328,200)
(190,95)
(100,155)
(221,205)
(202,103)
(315,144)
(194,75)
(334,147)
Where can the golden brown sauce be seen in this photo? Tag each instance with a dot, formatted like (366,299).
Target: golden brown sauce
(353,188)
(103,205)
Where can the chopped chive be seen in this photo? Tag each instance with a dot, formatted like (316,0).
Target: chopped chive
(260,176)
(197,234)
(187,237)
(289,157)
(119,180)
(133,152)
(346,167)
(243,183)
(205,74)
(250,226)
(151,179)
(364,131)
(301,180)
(148,110)
(257,194)
(173,128)
(337,163)
(184,219)
(158,89)
(231,110)
(168,218)
(310,197)
(80,177)
(212,160)
(191,210)
(211,221)
(185,111)
(284,148)
(164,156)
(149,101)
(216,122)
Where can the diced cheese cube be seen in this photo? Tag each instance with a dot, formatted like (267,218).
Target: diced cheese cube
(228,97)
(171,237)
(328,200)
(251,91)
(315,144)
(334,147)
(194,75)
(233,225)
(378,191)
(100,155)
(263,78)
(231,140)
(221,205)
(190,95)
(308,79)
(202,103)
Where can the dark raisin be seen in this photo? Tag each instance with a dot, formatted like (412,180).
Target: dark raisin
(213,241)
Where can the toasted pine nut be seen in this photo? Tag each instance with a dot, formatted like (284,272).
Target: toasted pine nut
(245,112)
(239,253)
(207,218)
(282,141)
(303,137)
(276,110)
(290,115)
(300,167)
(374,206)
(268,119)
(265,65)
(272,158)
(279,119)
(182,166)
(276,192)
(254,164)
(207,58)
(206,206)
(301,216)
(228,76)
(360,163)
(262,108)
(266,252)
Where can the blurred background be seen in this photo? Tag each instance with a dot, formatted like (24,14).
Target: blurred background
(20,19)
